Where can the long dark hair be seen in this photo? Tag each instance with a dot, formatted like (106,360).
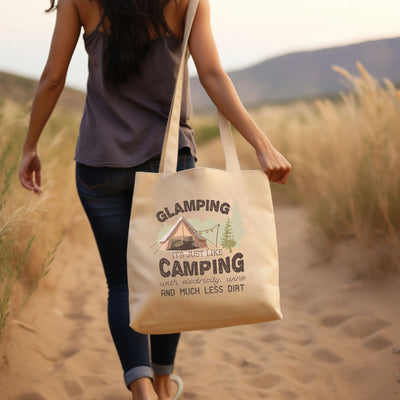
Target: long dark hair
(133,24)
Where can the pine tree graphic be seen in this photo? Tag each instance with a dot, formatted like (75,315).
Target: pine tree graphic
(228,240)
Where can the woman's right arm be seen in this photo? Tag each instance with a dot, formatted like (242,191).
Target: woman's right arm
(51,84)
(220,89)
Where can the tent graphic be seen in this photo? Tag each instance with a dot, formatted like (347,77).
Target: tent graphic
(182,236)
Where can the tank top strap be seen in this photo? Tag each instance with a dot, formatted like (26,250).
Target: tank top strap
(101,22)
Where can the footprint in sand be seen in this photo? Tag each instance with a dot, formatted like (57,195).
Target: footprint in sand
(304,341)
(325,355)
(334,320)
(377,343)
(227,357)
(362,326)
(73,388)
(271,338)
(265,381)
(69,353)
(250,368)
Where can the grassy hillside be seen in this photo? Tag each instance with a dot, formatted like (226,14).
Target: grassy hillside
(21,90)
(309,74)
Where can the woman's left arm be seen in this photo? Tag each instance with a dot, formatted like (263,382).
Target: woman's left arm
(220,89)
(50,86)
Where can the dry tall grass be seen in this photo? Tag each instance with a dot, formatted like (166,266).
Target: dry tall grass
(346,170)
(31,226)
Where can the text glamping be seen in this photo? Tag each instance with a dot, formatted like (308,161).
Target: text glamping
(193,205)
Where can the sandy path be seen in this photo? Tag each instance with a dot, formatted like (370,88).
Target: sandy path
(335,342)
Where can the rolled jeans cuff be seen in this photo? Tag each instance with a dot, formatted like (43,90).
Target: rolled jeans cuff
(136,373)
(162,369)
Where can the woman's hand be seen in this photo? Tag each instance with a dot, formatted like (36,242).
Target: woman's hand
(29,171)
(274,164)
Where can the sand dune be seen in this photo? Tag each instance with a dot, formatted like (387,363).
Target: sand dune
(336,341)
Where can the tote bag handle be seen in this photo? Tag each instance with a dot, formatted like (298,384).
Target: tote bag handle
(169,155)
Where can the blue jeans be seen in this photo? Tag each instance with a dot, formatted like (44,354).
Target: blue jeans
(106,196)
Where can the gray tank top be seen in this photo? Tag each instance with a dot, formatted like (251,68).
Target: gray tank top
(125,126)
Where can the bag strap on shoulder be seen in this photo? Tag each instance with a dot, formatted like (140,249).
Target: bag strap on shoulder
(169,155)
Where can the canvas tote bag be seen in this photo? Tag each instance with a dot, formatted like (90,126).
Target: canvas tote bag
(202,249)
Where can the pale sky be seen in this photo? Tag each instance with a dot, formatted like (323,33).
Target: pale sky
(246,32)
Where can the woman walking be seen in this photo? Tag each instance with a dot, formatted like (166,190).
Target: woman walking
(134,49)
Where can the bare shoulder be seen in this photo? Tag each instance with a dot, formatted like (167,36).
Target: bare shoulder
(89,12)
